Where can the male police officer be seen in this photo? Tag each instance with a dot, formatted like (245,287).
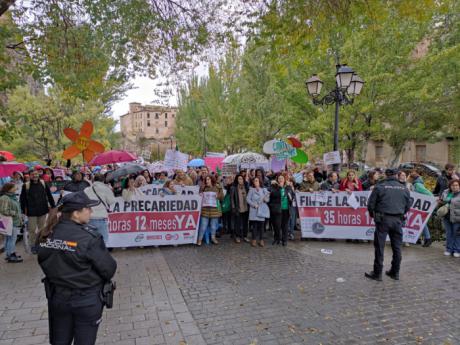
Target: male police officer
(388,204)
(77,266)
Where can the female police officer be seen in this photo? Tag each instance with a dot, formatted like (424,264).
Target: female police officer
(77,265)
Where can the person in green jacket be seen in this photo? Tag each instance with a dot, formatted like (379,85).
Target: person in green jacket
(419,187)
(9,207)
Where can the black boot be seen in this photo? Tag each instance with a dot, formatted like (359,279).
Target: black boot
(14,259)
(374,276)
(392,275)
(275,242)
(427,243)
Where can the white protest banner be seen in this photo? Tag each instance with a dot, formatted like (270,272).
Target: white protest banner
(175,160)
(332,158)
(209,199)
(187,190)
(151,189)
(353,201)
(335,218)
(154,189)
(154,221)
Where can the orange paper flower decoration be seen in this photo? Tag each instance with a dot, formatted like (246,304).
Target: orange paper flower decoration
(82,143)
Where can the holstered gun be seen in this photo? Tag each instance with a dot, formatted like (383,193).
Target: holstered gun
(107,293)
(378,217)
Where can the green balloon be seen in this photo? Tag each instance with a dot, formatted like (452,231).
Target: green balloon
(301,157)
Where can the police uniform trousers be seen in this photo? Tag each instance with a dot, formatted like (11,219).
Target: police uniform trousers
(75,316)
(391,226)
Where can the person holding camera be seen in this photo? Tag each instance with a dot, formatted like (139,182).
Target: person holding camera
(78,270)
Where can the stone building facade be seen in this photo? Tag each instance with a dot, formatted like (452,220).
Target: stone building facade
(380,154)
(148,129)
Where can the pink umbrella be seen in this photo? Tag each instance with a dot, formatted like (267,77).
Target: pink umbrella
(8,155)
(6,169)
(113,156)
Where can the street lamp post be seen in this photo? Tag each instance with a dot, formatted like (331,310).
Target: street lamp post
(347,85)
(204,124)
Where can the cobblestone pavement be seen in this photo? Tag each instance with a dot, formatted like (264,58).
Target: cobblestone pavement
(235,294)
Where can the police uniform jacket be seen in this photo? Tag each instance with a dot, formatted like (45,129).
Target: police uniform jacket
(390,197)
(75,257)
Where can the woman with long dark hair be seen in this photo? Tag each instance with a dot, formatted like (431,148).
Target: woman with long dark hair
(240,208)
(281,197)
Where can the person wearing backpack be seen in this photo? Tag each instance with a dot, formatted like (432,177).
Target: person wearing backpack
(102,192)
(36,200)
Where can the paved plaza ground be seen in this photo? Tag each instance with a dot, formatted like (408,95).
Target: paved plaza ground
(235,294)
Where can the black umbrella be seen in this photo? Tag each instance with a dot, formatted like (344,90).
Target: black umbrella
(125,170)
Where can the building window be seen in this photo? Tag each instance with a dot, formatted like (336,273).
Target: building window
(148,115)
(173,115)
(156,116)
(156,131)
(378,152)
(148,123)
(166,123)
(420,153)
(166,115)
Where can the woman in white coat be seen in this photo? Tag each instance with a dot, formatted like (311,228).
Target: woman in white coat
(257,199)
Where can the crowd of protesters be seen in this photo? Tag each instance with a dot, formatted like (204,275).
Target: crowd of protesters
(250,204)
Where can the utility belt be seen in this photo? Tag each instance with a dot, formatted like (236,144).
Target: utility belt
(105,290)
(380,215)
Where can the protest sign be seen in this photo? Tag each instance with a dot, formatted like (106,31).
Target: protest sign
(280,148)
(175,160)
(229,170)
(6,225)
(277,165)
(154,189)
(209,199)
(331,158)
(214,162)
(154,221)
(59,173)
(156,167)
(334,217)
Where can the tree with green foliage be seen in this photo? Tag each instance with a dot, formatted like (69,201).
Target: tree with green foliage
(41,119)
(407,52)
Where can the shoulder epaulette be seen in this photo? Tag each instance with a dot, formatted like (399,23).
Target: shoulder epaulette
(91,230)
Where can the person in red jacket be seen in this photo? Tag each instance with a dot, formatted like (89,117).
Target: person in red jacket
(351,183)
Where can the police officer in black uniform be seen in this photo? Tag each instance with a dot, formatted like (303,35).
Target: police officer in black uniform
(77,266)
(388,204)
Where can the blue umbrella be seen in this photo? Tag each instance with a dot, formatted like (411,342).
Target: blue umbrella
(32,164)
(196,163)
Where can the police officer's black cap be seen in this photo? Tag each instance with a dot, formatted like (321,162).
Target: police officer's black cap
(76,201)
(391,171)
